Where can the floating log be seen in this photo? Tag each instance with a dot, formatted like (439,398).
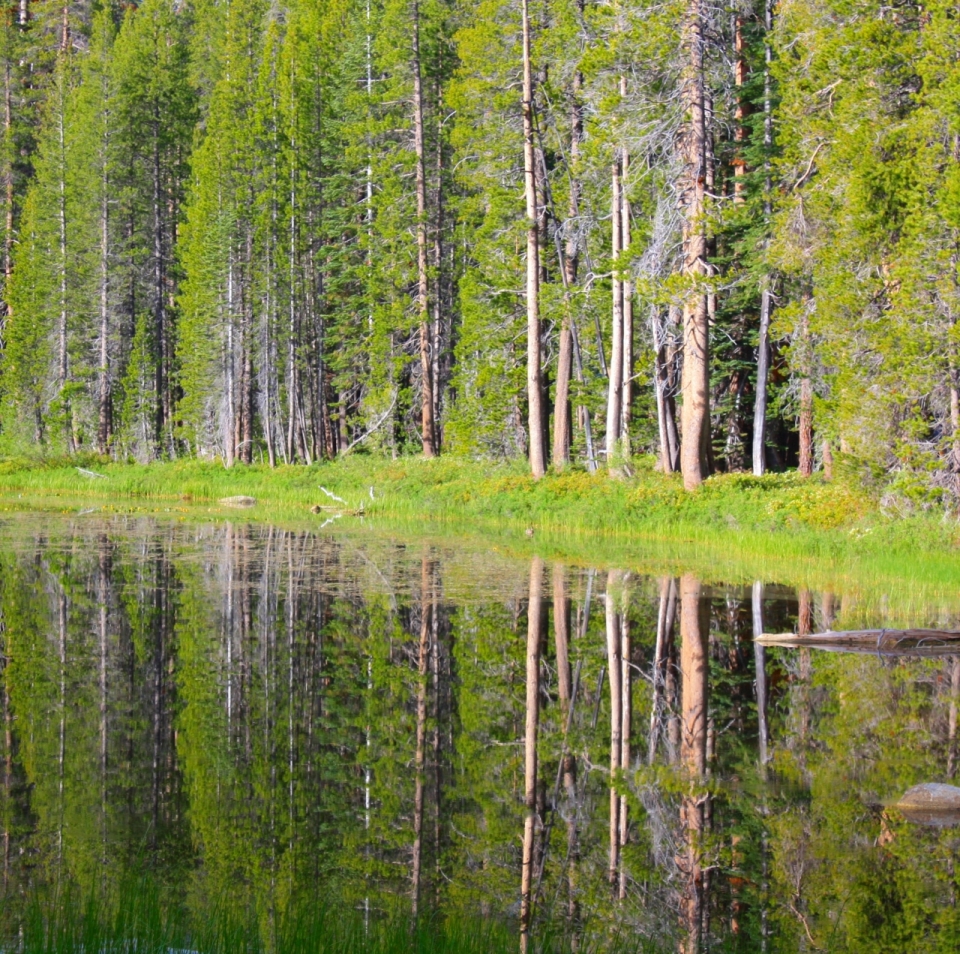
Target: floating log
(884,642)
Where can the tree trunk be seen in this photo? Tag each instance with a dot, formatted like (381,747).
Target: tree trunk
(571,258)
(229,446)
(626,398)
(741,71)
(534,386)
(766,294)
(440,299)
(695,382)
(8,196)
(423,302)
(806,427)
(760,404)
(103,398)
(530,821)
(615,383)
(63,358)
(163,408)
(827,452)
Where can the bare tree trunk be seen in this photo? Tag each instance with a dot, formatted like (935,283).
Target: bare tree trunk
(806,427)
(426,610)
(695,384)
(229,430)
(827,452)
(806,391)
(693,756)
(626,398)
(763,372)
(534,383)
(569,351)
(615,384)
(766,293)
(530,821)
(423,303)
(741,71)
(440,298)
(103,397)
(615,671)
(63,358)
(663,385)
(571,258)
(9,197)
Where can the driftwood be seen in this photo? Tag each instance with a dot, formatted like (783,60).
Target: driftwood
(883,642)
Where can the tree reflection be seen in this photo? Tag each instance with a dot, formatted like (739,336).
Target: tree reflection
(263,718)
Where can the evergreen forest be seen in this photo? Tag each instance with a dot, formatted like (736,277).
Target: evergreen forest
(570,231)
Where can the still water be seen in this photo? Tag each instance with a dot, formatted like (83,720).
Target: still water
(267,720)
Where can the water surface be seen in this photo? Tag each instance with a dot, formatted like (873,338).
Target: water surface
(261,721)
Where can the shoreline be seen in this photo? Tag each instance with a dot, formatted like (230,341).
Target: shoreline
(778,527)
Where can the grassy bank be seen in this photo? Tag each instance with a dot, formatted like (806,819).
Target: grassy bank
(579,516)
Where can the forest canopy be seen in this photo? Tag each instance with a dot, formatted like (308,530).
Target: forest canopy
(723,234)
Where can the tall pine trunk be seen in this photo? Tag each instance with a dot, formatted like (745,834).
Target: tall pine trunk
(423,305)
(695,380)
(615,382)
(534,383)
(626,398)
(766,293)
(103,397)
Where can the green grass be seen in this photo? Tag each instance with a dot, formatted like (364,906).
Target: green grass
(777,527)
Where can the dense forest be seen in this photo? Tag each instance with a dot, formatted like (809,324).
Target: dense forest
(563,229)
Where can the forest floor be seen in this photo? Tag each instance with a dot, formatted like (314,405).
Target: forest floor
(779,525)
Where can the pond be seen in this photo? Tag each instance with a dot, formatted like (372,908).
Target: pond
(228,727)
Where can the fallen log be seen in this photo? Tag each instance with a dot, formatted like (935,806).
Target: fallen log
(893,642)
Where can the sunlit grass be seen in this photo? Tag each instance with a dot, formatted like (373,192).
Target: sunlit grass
(735,528)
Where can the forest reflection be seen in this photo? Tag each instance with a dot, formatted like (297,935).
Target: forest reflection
(259,717)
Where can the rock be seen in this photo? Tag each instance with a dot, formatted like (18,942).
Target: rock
(931,803)
(240,501)
(931,796)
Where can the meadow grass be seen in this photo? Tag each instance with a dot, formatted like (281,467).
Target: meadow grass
(778,527)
